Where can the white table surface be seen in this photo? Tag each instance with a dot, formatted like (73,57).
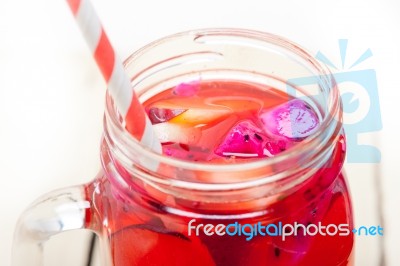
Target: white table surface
(52,95)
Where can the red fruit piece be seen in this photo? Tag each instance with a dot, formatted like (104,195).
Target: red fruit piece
(243,140)
(294,120)
(236,251)
(336,249)
(146,245)
(160,115)
(275,147)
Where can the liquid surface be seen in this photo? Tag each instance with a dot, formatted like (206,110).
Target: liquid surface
(222,121)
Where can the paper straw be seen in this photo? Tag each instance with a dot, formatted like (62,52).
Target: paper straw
(117,80)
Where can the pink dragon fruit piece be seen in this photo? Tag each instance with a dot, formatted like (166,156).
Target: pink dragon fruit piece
(243,140)
(160,115)
(295,120)
(187,89)
(275,147)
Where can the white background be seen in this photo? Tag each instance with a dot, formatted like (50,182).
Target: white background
(52,95)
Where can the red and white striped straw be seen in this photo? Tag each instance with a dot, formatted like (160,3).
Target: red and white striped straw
(114,74)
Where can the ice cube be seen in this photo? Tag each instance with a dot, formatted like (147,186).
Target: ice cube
(294,120)
(243,140)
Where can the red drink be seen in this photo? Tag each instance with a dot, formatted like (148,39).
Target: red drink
(227,122)
(251,170)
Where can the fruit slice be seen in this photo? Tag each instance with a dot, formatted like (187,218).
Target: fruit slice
(243,140)
(150,245)
(201,111)
(196,113)
(170,132)
(198,117)
(294,120)
(160,115)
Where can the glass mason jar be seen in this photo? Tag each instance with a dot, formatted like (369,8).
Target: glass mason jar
(291,209)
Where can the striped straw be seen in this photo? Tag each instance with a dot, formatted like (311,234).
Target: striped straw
(117,80)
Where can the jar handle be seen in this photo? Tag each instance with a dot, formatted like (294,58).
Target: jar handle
(55,212)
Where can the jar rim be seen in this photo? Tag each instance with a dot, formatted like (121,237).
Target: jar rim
(123,145)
